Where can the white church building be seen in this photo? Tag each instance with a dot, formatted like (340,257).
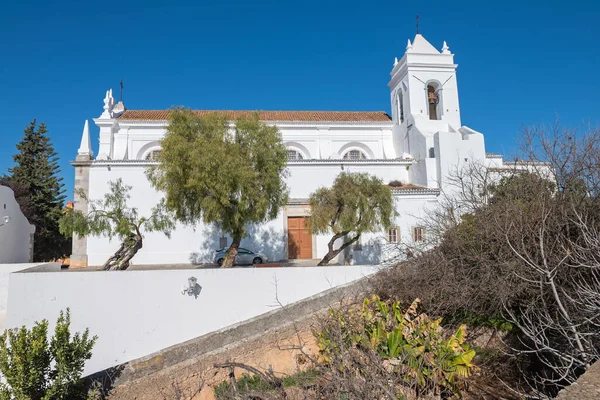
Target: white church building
(418,145)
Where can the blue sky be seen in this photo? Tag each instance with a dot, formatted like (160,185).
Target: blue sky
(520,62)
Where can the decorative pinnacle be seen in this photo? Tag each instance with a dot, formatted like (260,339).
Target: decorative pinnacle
(409,46)
(445,49)
(109,103)
(395,61)
(85,148)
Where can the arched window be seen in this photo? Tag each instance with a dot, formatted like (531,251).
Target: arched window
(151,156)
(355,155)
(294,155)
(400,106)
(432,101)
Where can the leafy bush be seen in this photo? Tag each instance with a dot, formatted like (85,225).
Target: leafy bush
(368,350)
(498,323)
(244,384)
(255,384)
(34,368)
(409,344)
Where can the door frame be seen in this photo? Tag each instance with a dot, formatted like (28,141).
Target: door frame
(300,208)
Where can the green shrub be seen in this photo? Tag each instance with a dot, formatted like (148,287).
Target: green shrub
(407,343)
(34,368)
(474,321)
(244,384)
(255,384)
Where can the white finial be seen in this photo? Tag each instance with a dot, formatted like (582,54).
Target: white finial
(112,99)
(445,49)
(395,61)
(109,103)
(409,46)
(85,148)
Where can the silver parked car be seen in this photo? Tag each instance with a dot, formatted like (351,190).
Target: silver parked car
(244,257)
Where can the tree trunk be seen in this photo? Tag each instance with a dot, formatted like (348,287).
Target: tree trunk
(129,248)
(232,252)
(332,253)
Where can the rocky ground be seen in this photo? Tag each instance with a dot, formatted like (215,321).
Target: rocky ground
(587,386)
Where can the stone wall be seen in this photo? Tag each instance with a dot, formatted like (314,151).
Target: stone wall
(79,257)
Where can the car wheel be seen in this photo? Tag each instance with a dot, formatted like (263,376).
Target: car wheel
(220,262)
(257,260)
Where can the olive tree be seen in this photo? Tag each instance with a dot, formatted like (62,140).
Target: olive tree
(112,216)
(355,204)
(222,173)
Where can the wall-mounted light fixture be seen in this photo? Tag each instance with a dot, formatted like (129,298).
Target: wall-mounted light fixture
(192,289)
(5,220)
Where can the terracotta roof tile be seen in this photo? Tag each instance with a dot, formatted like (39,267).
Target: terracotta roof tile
(407,186)
(296,116)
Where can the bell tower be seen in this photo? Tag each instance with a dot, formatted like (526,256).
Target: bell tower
(425,80)
(426,114)
(423,91)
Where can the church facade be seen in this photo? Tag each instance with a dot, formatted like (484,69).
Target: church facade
(413,151)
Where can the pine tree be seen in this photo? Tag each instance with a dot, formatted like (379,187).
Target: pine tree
(36,171)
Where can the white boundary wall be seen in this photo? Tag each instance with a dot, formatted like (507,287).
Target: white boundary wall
(136,313)
(5,271)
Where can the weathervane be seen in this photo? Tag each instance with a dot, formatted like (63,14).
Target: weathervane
(417,20)
(121,95)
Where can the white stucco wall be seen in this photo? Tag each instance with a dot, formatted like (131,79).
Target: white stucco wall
(15,230)
(135,313)
(305,178)
(456,149)
(131,140)
(197,244)
(5,271)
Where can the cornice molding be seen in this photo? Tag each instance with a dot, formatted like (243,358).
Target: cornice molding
(321,124)
(80,163)
(105,122)
(295,162)
(411,192)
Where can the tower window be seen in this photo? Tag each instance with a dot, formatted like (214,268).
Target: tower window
(432,101)
(294,155)
(432,152)
(355,155)
(400,106)
(152,155)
